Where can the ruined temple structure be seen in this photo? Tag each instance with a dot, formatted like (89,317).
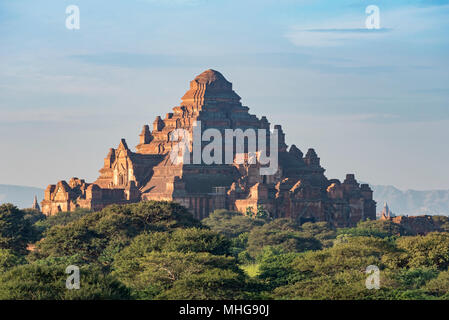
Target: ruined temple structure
(386,213)
(298,189)
(416,225)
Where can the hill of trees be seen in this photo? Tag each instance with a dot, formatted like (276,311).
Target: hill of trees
(157,250)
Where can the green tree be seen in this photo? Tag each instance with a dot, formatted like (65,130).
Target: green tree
(442,223)
(415,278)
(249,212)
(48,282)
(276,267)
(155,272)
(354,253)
(213,284)
(438,287)
(16,232)
(321,231)
(343,285)
(61,219)
(112,229)
(284,233)
(230,223)
(430,251)
(375,228)
(33,216)
(197,240)
(9,259)
(180,240)
(261,212)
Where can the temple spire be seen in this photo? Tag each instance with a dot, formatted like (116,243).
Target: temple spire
(386,212)
(36,204)
(145,135)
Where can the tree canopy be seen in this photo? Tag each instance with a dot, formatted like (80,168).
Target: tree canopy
(157,250)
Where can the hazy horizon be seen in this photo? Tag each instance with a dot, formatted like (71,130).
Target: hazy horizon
(374,103)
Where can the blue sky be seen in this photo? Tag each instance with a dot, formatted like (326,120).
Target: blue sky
(375,103)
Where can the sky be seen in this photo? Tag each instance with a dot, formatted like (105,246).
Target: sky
(371,102)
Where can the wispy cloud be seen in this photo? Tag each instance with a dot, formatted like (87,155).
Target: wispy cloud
(174,2)
(351,30)
(149,60)
(402,23)
(329,37)
(133,60)
(432,3)
(50,115)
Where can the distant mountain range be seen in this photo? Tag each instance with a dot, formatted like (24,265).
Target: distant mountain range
(19,195)
(410,202)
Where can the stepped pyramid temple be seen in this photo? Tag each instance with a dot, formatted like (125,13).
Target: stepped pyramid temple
(298,188)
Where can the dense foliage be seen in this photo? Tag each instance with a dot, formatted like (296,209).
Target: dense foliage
(157,250)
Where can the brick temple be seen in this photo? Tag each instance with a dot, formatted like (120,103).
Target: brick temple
(298,189)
